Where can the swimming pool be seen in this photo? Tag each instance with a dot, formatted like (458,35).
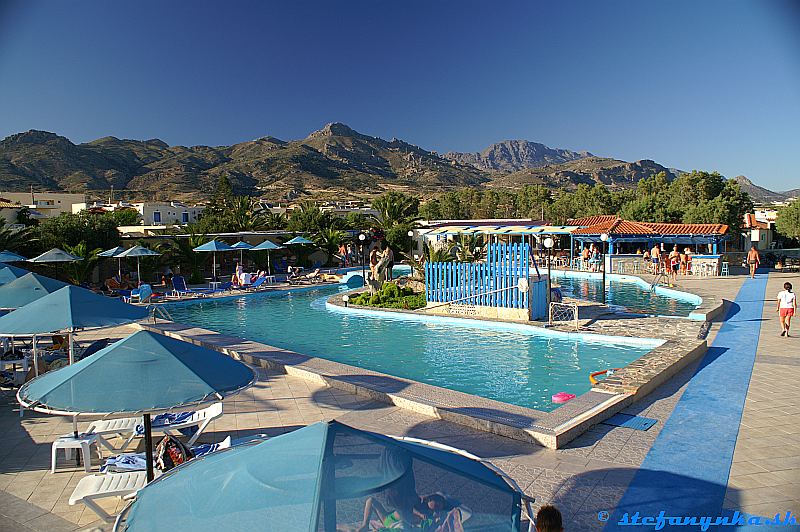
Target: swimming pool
(514,364)
(627,293)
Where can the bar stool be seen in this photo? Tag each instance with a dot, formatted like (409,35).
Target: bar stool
(725,270)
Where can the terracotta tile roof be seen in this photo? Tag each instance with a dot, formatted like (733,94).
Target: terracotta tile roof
(750,222)
(618,226)
(688,229)
(592,220)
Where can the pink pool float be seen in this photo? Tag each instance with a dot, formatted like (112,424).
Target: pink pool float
(563,397)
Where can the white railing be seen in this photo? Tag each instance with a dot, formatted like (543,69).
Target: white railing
(563,313)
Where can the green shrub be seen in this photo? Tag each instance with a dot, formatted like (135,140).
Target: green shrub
(390,291)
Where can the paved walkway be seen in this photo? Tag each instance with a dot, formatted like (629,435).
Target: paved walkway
(765,476)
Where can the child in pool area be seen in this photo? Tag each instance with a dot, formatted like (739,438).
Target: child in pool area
(787,306)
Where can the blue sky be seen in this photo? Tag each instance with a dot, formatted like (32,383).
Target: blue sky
(710,85)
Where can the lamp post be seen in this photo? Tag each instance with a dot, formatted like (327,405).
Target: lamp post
(345,299)
(548,244)
(604,238)
(411,244)
(362,238)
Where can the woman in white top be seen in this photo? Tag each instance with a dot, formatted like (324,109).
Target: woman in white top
(787,306)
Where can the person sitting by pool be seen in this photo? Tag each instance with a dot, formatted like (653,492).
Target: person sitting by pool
(548,519)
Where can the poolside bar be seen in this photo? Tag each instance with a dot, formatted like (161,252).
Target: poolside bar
(702,239)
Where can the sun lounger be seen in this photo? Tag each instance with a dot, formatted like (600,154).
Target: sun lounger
(143,294)
(94,487)
(256,284)
(180,289)
(127,427)
(310,278)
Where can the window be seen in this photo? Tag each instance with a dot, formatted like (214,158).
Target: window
(157,217)
(185,217)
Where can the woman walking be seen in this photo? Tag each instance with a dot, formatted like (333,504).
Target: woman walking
(787,306)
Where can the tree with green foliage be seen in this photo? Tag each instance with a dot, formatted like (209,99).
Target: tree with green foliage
(728,207)
(649,209)
(395,208)
(67,229)
(77,272)
(357,221)
(329,239)
(788,221)
(309,218)
(273,221)
(183,252)
(125,216)
(532,200)
(16,240)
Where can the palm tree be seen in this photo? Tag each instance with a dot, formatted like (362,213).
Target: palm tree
(245,214)
(329,239)
(183,251)
(468,249)
(14,240)
(275,220)
(309,218)
(77,272)
(429,254)
(395,208)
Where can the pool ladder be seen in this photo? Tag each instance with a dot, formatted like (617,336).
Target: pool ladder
(158,311)
(658,279)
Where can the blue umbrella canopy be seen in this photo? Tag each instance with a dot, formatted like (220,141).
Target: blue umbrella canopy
(10,256)
(145,372)
(214,245)
(267,245)
(138,251)
(8,273)
(298,240)
(26,289)
(317,478)
(113,252)
(55,255)
(67,309)
(242,245)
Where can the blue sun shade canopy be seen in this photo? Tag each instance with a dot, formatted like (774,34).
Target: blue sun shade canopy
(113,252)
(242,245)
(55,255)
(145,372)
(214,245)
(8,273)
(27,289)
(10,256)
(319,477)
(138,251)
(298,240)
(266,245)
(68,308)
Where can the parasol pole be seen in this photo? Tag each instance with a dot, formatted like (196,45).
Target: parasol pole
(148,446)
(35,359)
(269,266)
(214,268)
(71,346)
(138,272)
(119,268)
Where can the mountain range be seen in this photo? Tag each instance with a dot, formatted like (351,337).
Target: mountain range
(335,162)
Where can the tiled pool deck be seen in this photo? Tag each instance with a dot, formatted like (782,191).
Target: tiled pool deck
(590,474)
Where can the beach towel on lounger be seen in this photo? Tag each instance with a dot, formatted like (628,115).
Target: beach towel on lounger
(137,462)
(162,421)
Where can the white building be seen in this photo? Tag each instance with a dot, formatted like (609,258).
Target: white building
(49,204)
(153,213)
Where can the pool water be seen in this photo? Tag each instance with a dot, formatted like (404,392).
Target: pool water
(625,295)
(511,366)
